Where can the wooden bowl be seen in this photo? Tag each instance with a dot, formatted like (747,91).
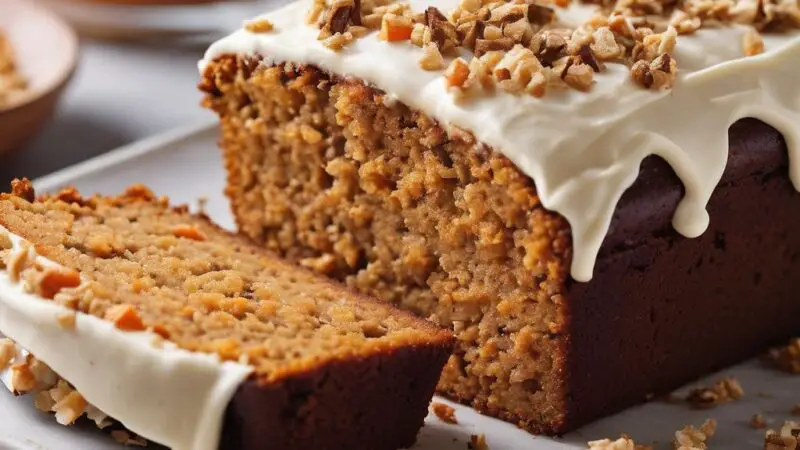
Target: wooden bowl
(46,52)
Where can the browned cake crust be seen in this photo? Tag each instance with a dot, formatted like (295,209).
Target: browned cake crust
(326,173)
(333,369)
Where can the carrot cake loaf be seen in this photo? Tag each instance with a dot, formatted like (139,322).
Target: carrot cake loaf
(598,198)
(196,339)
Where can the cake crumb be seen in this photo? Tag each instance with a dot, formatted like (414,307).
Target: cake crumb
(125,317)
(786,358)
(477,442)
(259,26)
(723,391)
(788,438)
(445,413)
(758,422)
(691,438)
(128,439)
(5,241)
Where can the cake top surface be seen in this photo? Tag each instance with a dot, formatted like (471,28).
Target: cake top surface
(576,95)
(172,312)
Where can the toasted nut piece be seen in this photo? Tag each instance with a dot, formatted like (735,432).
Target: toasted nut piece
(259,26)
(431,58)
(125,317)
(8,351)
(67,320)
(69,408)
(444,412)
(752,43)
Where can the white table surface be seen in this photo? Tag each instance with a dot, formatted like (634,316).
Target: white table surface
(122,92)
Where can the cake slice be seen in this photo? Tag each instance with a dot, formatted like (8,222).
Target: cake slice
(579,190)
(196,339)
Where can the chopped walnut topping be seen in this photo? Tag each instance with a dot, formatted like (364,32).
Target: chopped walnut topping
(125,317)
(623,443)
(259,26)
(579,76)
(691,438)
(17,262)
(477,442)
(431,58)
(338,41)
(23,189)
(758,422)
(723,391)
(752,43)
(444,412)
(787,439)
(69,408)
(786,358)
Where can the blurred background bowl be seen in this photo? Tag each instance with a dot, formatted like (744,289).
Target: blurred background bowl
(46,53)
(195,21)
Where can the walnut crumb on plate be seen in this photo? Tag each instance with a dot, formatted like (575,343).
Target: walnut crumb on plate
(725,390)
(786,358)
(477,442)
(623,443)
(788,438)
(691,438)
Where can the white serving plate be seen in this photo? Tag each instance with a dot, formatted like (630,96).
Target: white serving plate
(185,165)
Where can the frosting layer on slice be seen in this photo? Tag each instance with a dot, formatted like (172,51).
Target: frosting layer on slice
(171,396)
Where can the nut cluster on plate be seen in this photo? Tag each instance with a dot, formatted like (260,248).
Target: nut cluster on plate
(519,46)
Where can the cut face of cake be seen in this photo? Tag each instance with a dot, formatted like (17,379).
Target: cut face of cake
(576,190)
(125,308)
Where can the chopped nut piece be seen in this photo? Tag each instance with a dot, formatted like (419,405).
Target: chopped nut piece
(604,44)
(22,378)
(579,76)
(623,443)
(752,43)
(17,262)
(723,391)
(338,41)
(443,33)
(758,422)
(188,232)
(23,189)
(482,46)
(67,320)
(690,438)
(44,401)
(787,439)
(540,15)
(69,408)
(259,26)
(125,317)
(54,279)
(477,442)
(341,15)
(444,412)
(431,58)
(786,358)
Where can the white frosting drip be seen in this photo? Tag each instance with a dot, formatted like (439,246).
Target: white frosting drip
(583,150)
(168,395)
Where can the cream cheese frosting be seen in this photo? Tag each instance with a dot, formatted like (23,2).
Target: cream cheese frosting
(583,150)
(168,395)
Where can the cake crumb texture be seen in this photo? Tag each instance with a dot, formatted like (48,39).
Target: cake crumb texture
(326,359)
(398,207)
